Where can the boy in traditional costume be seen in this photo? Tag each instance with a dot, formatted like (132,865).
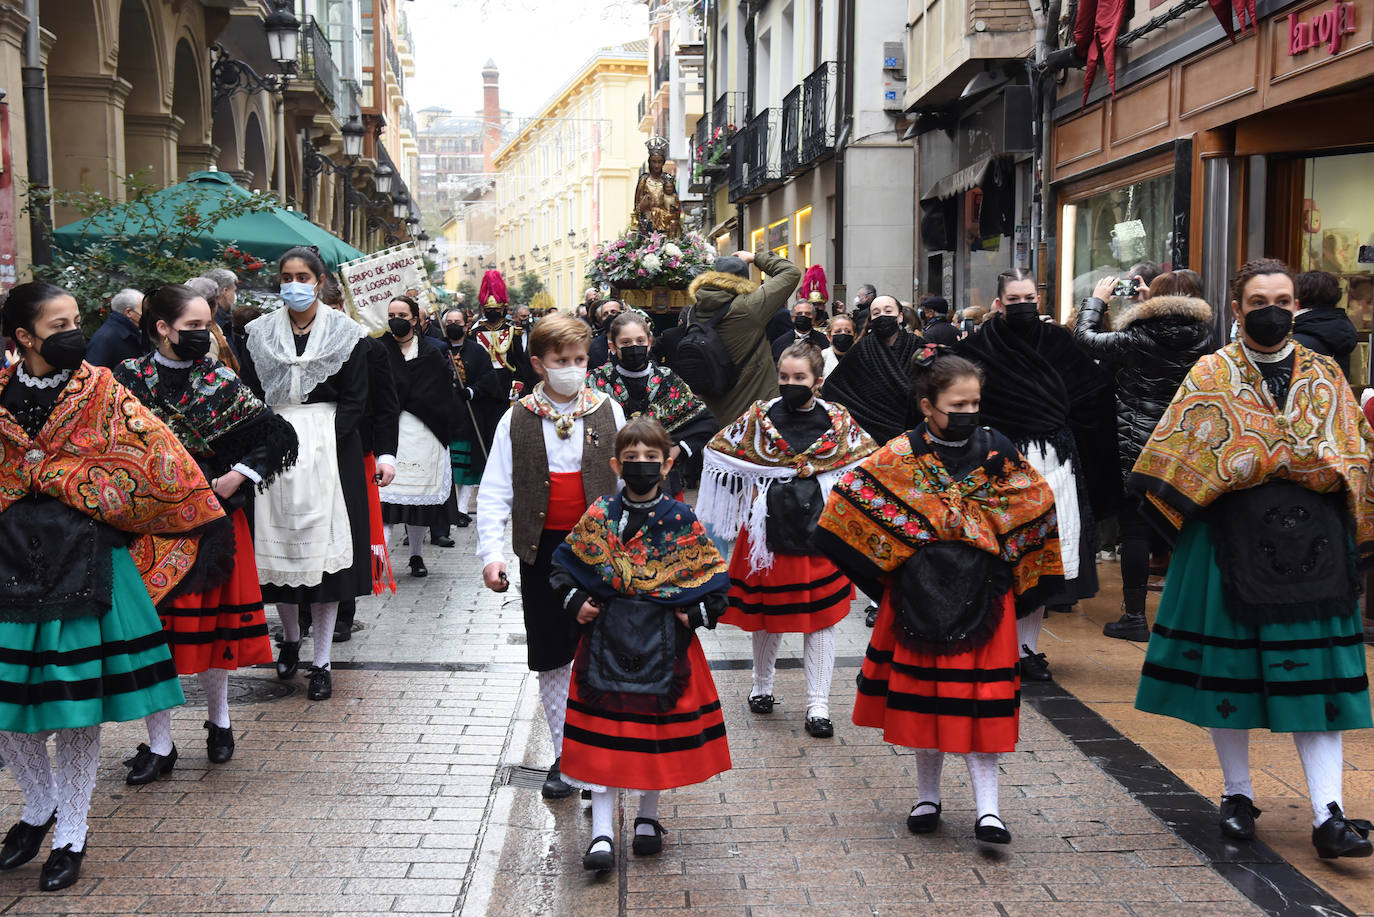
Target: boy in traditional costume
(640,574)
(955,530)
(1260,467)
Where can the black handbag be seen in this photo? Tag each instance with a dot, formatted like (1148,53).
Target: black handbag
(632,648)
(794,511)
(949,597)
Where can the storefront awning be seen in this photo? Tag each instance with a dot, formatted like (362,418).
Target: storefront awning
(726,225)
(963,180)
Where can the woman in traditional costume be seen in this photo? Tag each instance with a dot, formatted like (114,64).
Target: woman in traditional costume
(640,574)
(236,440)
(955,530)
(311,525)
(102,514)
(467,452)
(1260,467)
(418,497)
(767,476)
(642,386)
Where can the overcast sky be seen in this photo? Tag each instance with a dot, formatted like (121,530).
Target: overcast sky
(538,45)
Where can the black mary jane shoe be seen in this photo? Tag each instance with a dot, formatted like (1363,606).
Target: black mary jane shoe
(219,743)
(646,845)
(926,822)
(288,659)
(321,686)
(761,704)
(417,566)
(1238,814)
(820,727)
(554,786)
(146,766)
(991,834)
(463,520)
(1034,667)
(871,614)
(601,860)
(61,870)
(1339,836)
(23,841)
(443,541)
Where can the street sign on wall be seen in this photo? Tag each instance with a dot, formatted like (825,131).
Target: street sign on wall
(371,283)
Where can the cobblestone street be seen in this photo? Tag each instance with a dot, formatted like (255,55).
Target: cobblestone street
(415,790)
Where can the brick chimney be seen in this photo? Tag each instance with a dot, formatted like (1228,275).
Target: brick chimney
(491,113)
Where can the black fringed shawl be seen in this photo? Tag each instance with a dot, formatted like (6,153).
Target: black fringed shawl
(873,382)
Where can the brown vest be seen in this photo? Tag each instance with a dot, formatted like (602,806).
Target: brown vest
(530,471)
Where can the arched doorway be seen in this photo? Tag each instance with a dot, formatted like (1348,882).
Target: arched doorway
(255,154)
(194,151)
(150,132)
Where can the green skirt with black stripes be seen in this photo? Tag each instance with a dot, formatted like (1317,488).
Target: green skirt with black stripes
(88,671)
(1205,667)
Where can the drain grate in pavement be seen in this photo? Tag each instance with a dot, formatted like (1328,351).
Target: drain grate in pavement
(242,690)
(527,778)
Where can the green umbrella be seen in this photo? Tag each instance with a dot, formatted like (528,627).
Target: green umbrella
(265,234)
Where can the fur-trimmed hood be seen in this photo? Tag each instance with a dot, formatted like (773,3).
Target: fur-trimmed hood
(726,286)
(1186,307)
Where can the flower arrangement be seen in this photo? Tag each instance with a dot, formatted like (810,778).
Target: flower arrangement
(650,260)
(716,147)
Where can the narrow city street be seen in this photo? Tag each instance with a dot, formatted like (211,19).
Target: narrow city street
(415,790)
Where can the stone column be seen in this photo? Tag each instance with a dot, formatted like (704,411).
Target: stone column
(150,146)
(86,114)
(195,157)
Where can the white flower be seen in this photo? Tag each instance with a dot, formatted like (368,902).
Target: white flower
(672,251)
(652,263)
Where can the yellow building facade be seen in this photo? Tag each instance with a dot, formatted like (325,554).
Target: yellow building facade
(565,183)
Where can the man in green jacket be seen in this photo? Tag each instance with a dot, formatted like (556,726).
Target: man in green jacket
(743,330)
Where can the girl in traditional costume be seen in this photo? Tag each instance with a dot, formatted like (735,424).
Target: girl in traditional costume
(102,514)
(640,574)
(1260,467)
(236,440)
(767,476)
(956,531)
(418,497)
(310,530)
(641,386)
(468,452)
(550,458)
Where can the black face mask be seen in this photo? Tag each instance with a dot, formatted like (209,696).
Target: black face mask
(634,357)
(454,331)
(884,326)
(65,349)
(493,315)
(400,327)
(641,477)
(842,342)
(802,323)
(1266,327)
(1022,315)
(794,395)
(191,345)
(959,427)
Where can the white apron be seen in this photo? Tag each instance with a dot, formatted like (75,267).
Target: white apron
(1059,475)
(424,469)
(301,527)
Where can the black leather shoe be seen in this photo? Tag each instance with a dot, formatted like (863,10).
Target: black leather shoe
(1238,817)
(23,842)
(321,687)
(463,521)
(602,860)
(819,727)
(1130,627)
(145,766)
(1339,836)
(871,614)
(1034,667)
(343,636)
(219,743)
(417,566)
(443,541)
(995,832)
(288,659)
(646,845)
(761,703)
(926,822)
(62,869)
(554,787)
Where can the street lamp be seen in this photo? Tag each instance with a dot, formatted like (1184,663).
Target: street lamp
(353,138)
(283,34)
(400,205)
(383,177)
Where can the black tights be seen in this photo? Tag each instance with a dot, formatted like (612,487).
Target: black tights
(1137,538)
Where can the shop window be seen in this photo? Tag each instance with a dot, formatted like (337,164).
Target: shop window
(1107,233)
(756,240)
(802,235)
(1337,228)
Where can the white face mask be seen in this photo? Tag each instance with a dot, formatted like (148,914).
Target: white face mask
(567,380)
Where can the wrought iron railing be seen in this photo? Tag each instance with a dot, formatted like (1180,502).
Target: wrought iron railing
(762,150)
(820,121)
(727,110)
(643,109)
(394,60)
(740,152)
(790,129)
(317,61)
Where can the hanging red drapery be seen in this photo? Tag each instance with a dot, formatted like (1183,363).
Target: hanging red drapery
(1094,36)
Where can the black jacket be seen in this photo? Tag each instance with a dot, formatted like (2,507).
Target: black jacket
(424,385)
(1154,346)
(599,352)
(114,342)
(788,338)
(378,428)
(1327,331)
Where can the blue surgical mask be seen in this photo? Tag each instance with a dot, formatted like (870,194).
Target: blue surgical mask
(298,296)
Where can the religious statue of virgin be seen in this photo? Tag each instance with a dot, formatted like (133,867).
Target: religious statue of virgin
(657,208)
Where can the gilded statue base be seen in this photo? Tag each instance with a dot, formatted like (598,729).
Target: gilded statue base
(655,300)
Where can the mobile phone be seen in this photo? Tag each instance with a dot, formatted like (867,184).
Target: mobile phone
(1124,288)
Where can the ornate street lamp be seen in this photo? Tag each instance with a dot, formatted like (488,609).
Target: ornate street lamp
(283,34)
(400,205)
(383,177)
(353,138)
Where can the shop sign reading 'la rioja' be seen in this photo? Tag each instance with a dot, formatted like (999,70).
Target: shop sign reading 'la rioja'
(1328,28)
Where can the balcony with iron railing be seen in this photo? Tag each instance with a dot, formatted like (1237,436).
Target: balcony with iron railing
(740,150)
(819,114)
(317,63)
(394,60)
(728,110)
(758,155)
(790,128)
(663,73)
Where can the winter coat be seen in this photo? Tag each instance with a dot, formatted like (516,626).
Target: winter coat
(1154,346)
(1327,331)
(743,330)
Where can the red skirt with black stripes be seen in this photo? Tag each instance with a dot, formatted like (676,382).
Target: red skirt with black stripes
(799,594)
(958,703)
(224,627)
(648,750)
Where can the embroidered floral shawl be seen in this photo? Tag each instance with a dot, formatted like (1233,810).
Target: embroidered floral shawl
(1223,433)
(104,454)
(671,400)
(539,404)
(902,498)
